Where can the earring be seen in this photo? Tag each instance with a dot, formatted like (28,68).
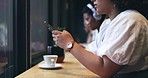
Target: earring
(114,5)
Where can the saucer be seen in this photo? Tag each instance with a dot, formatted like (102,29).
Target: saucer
(49,67)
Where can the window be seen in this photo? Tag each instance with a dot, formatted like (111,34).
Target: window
(38,29)
(6,39)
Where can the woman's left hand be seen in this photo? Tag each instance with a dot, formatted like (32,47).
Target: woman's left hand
(62,38)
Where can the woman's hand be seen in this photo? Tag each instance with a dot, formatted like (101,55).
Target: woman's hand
(62,38)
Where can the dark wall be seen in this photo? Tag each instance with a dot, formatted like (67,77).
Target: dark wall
(144,8)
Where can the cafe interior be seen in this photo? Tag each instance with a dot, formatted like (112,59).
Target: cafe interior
(26,38)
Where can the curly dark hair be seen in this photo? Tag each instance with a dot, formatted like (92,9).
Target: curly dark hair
(123,5)
(87,10)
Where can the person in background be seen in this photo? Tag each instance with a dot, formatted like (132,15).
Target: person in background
(92,21)
(3,44)
(3,35)
(121,45)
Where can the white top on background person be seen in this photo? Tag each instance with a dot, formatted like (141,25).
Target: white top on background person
(94,34)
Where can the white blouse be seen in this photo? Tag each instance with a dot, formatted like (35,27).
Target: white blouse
(124,40)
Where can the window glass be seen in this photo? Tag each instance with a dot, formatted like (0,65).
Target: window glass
(6,34)
(38,14)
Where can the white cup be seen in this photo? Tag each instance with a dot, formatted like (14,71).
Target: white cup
(50,60)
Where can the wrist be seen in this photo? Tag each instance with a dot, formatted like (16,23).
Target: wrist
(70,46)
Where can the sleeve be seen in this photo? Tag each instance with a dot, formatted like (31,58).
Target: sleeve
(120,40)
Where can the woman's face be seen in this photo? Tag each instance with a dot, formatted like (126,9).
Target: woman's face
(89,22)
(103,6)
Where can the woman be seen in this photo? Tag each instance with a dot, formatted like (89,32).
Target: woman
(122,43)
(92,22)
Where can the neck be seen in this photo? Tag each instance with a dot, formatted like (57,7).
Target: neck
(113,14)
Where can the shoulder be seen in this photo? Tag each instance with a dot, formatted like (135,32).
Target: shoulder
(131,15)
(129,18)
(94,31)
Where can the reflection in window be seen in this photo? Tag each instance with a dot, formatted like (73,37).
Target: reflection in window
(3,35)
(38,13)
(3,45)
(6,32)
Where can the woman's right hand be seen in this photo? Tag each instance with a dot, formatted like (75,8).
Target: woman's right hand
(62,38)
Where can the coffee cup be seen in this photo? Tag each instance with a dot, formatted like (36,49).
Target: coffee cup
(50,60)
(55,50)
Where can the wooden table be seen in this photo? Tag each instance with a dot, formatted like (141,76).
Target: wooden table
(71,68)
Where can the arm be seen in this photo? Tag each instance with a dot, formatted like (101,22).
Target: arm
(103,67)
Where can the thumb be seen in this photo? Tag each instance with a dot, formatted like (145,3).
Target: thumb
(65,31)
(56,32)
